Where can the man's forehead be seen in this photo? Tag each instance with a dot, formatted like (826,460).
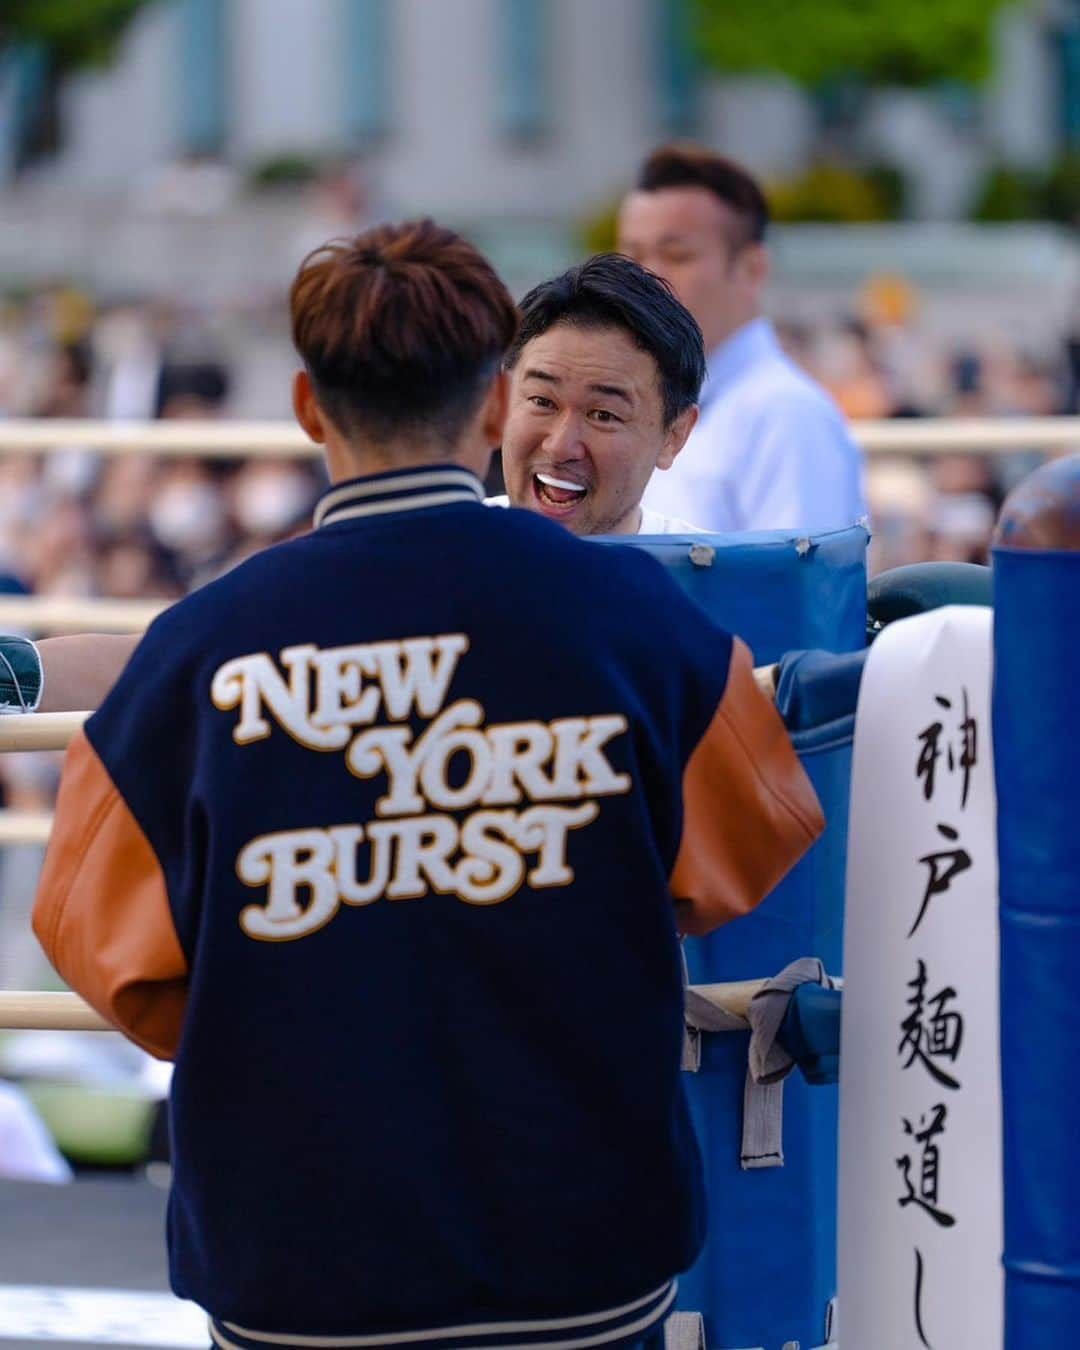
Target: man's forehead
(589,356)
(676,211)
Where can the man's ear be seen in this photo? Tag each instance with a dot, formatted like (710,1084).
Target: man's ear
(306,408)
(675,436)
(753,264)
(496,406)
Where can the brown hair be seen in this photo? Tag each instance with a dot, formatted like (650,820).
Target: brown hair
(687,165)
(399,328)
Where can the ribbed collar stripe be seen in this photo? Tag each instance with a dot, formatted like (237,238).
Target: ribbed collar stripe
(407,491)
(599,1328)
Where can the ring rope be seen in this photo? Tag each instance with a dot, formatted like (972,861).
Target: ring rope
(285,440)
(35,1010)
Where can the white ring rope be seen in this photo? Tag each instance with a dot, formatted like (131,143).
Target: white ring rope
(39,731)
(34,1010)
(25,827)
(75,614)
(218,439)
(285,440)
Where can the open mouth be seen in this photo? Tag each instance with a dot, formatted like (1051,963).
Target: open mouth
(559,495)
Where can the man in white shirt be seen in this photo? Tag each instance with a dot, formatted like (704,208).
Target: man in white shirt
(770,450)
(604,380)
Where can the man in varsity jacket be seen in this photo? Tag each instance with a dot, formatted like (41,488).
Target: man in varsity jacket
(372,836)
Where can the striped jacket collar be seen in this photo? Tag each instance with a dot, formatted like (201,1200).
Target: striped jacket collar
(379,494)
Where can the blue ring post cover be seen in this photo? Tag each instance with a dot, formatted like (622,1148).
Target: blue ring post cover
(1036,727)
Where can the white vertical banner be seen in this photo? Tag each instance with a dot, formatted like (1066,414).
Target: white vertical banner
(920,1206)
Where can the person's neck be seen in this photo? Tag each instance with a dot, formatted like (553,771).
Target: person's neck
(630,523)
(346,460)
(734,331)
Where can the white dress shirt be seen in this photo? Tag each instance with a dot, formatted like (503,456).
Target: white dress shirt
(652,522)
(770,451)
(27,1151)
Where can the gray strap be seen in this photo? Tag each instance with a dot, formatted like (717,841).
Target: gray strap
(762,1125)
(691,1049)
(691,1038)
(769,1064)
(704,1015)
(701,1013)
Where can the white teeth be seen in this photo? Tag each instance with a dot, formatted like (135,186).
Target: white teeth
(549,481)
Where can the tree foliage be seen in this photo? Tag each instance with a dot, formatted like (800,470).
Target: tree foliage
(906,42)
(72,33)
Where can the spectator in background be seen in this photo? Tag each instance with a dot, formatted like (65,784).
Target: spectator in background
(134,566)
(860,385)
(192,389)
(771,450)
(270,501)
(188,518)
(27,1151)
(67,390)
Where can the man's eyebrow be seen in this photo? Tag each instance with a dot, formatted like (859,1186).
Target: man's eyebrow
(612,391)
(609,390)
(533,374)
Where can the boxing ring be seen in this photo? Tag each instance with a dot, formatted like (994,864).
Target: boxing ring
(766,1279)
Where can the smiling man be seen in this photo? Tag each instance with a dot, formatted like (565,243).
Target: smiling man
(605,374)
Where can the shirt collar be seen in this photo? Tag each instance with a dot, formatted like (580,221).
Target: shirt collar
(379,494)
(745,346)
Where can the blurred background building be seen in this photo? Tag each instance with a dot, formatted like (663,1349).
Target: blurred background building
(261,123)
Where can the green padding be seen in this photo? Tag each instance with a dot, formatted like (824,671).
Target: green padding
(904,591)
(20,674)
(106,1127)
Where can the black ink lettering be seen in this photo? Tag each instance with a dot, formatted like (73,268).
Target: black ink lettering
(938,1036)
(926,1195)
(969,748)
(942,867)
(918,1299)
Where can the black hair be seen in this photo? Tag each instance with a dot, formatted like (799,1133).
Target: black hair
(612,291)
(686,165)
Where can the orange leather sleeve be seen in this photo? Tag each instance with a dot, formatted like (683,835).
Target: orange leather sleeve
(749,810)
(102,910)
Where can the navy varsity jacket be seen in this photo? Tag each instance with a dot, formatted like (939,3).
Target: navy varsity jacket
(372,836)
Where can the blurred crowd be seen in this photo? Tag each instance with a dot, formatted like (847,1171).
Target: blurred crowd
(879,362)
(76,522)
(79,523)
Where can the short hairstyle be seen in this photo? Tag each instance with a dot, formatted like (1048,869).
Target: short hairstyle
(400,329)
(686,165)
(613,291)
